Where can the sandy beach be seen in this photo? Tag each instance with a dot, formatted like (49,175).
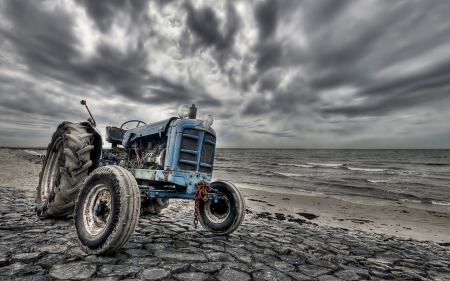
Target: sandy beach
(400,220)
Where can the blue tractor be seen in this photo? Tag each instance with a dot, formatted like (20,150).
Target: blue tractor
(106,189)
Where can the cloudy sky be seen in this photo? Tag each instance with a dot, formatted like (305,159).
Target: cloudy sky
(300,73)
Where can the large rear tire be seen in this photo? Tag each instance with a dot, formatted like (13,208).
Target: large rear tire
(66,165)
(225,216)
(107,210)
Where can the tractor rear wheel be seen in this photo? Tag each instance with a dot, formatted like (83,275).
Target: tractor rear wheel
(66,165)
(107,210)
(225,216)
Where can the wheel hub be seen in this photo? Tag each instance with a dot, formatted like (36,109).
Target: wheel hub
(97,210)
(218,212)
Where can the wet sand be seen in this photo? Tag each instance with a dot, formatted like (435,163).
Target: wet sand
(401,221)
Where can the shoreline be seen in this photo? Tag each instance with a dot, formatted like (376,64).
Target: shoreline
(399,220)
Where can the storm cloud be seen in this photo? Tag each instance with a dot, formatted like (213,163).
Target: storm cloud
(337,74)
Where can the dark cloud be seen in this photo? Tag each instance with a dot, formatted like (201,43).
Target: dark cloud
(46,41)
(326,66)
(275,134)
(105,13)
(266,13)
(206,29)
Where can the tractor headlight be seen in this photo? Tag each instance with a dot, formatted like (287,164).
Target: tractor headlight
(208,120)
(183,111)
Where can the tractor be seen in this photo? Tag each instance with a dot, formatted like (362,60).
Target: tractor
(107,189)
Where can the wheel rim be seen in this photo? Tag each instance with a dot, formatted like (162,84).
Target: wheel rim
(218,212)
(97,209)
(51,169)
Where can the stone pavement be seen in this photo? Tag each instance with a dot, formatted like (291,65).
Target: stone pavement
(168,247)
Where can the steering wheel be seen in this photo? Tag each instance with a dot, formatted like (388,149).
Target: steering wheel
(129,121)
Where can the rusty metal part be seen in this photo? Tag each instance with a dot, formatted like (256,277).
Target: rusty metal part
(97,209)
(193,112)
(138,158)
(201,193)
(83,102)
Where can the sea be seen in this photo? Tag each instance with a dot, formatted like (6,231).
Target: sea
(418,178)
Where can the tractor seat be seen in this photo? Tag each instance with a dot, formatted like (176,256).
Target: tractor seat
(114,135)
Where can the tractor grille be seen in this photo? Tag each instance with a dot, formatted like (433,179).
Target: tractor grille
(207,156)
(190,153)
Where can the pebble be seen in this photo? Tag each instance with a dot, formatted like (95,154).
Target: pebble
(168,247)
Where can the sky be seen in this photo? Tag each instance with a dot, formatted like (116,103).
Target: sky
(273,74)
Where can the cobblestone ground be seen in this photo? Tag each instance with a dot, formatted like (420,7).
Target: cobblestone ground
(168,247)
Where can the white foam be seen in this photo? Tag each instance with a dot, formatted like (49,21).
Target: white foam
(410,200)
(442,203)
(296,165)
(366,169)
(378,181)
(325,164)
(290,174)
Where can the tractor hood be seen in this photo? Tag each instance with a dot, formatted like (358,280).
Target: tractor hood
(157,128)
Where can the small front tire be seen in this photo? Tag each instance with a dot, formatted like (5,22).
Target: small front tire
(107,210)
(225,216)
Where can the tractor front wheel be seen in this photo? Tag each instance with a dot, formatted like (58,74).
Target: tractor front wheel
(227,214)
(107,210)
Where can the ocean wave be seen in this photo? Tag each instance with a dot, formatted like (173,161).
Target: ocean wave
(437,164)
(289,174)
(442,203)
(379,181)
(366,169)
(296,165)
(325,164)
(411,200)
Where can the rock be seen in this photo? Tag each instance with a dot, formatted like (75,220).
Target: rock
(232,275)
(322,263)
(240,267)
(300,277)
(313,270)
(20,270)
(138,253)
(26,257)
(4,261)
(221,257)
(292,260)
(51,259)
(155,274)
(180,257)
(207,267)
(119,271)
(361,251)
(194,276)
(144,261)
(283,266)
(269,275)
(177,267)
(34,278)
(265,258)
(347,275)
(360,271)
(52,249)
(328,278)
(74,271)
